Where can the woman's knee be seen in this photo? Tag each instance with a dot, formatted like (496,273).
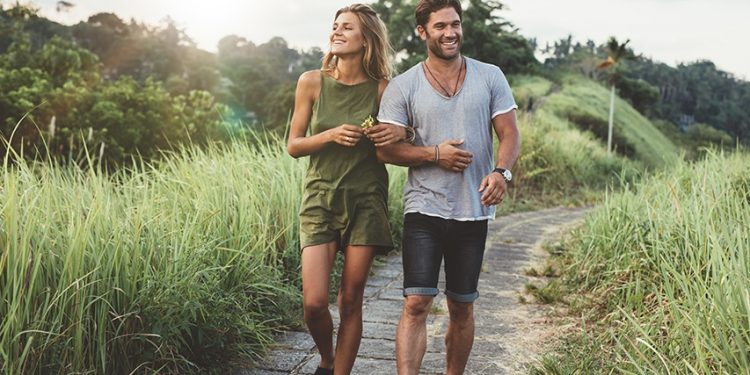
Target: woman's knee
(350,301)
(315,308)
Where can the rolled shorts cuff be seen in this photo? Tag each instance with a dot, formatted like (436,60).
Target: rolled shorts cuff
(466,298)
(418,291)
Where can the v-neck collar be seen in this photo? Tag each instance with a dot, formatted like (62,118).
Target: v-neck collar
(460,89)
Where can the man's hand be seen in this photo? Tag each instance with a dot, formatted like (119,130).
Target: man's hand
(453,158)
(385,134)
(493,189)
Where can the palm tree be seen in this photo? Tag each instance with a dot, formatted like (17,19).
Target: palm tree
(64,6)
(615,53)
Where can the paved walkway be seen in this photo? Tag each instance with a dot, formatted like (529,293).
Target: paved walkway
(508,333)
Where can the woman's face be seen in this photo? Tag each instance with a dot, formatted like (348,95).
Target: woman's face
(346,35)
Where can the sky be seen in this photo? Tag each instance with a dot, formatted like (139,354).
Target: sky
(670,31)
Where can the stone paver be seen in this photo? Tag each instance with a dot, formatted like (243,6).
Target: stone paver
(503,324)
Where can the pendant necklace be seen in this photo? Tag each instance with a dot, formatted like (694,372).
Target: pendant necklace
(458,78)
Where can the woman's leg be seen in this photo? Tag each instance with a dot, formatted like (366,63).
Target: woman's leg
(317,263)
(357,262)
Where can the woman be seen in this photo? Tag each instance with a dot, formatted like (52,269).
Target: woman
(344,206)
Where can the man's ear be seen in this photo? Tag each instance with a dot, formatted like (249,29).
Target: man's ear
(422,32)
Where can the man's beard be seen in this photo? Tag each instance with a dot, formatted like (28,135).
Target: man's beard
(436,49)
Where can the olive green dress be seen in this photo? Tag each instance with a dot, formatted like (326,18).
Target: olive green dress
(346,188)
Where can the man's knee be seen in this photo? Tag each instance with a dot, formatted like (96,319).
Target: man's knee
(460,311)
(417,306)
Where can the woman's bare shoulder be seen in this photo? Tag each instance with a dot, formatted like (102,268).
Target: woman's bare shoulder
(310,78)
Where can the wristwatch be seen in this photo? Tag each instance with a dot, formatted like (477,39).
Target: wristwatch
(411,136)
(507,176)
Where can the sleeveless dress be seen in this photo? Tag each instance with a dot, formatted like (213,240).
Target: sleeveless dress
(346,188)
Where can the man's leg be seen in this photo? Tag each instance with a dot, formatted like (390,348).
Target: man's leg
(411,335)
(460,336)
(422,254)
(463,263)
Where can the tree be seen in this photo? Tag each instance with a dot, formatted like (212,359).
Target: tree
(491,38)
(257,73)
(63,6)
(67,108)
(616,52)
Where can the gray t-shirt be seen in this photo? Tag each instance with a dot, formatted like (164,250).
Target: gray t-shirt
(410,100)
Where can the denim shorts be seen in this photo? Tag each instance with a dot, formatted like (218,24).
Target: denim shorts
(427,240)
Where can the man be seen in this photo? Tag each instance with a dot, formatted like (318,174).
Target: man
(449,105)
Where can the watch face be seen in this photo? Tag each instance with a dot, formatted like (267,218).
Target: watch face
(507,175)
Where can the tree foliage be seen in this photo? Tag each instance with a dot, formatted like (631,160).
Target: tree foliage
(699,92)
(261,77)
(57,104)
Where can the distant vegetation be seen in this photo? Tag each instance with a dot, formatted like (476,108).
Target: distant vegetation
(116,90)
(76,85)
(690,93)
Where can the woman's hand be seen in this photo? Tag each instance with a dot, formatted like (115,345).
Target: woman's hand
(385,134)
(345,135)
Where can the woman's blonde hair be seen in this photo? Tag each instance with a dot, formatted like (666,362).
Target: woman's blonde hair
(378,51)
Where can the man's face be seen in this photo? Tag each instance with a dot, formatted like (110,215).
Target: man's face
(443,34)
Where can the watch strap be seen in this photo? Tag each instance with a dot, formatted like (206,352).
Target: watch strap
(502,173)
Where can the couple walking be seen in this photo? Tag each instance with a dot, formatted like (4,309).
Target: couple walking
(438,119)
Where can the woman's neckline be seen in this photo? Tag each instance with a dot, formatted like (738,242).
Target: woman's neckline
(342,83)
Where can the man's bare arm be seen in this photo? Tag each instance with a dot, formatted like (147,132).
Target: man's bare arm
(494,186)
(447,155)
(405,155)
(510,140)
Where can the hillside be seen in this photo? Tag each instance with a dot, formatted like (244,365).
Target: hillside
(585,104)
(563,129)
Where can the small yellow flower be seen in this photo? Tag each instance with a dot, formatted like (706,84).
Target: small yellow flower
(368,123)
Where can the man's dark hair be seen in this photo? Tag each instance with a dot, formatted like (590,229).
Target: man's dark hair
(426,7)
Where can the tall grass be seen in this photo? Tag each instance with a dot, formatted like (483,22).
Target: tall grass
(667,266)
(528,90)
(162,268)
(557,158)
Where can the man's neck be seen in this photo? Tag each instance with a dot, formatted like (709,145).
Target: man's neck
(444,66)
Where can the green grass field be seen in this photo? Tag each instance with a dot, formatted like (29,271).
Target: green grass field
(163,268)
(660,273)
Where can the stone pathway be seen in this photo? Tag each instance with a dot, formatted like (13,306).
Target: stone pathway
(508,333)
